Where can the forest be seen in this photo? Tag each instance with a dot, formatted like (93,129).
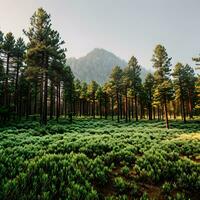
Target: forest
(64,138)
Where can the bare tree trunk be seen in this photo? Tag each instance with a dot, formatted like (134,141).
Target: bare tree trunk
(132,108)
(100,105)
(80,107)
(117,106)
(183,106)
(58,102)
(129,110)
(121,106)
(51,100)
(106,112)
(166,113)
(136,108)
(158,112)
(190,105)
(16,90)
(41,100)
(93,107)
(174,108)
(154,113)
(112,107)
(6,81)
(126,111)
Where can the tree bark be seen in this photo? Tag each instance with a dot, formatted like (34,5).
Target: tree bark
(132,108)
(51,100)
(136,108)
(106,112)
(112,107)
(166,113)
(117,106)
(41,100)
(129,110)
(190,105)
(126,112)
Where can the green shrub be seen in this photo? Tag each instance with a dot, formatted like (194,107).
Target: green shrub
(125,170)
(167,188)
(120,184)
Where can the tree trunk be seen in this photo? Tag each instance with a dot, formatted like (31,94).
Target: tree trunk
(174,108)
(154,113)
(80,107)
(183,109)
(41,100)
(190,105)
(93,108)
(51,100)
(106,112)
(158,112)
(117,106)
(16,90)
(27,103)
(166,113)
(126,112)
(129,110)
(100,105)
(182,104)
(121,106)
(45,90)
(83,112)
(150,106)
(112,107)
(35,99)
(45,99)
(132,108)
(58,102)
(136,108)
(141,109)
(6,81)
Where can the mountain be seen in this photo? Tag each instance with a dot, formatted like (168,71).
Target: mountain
(97,65)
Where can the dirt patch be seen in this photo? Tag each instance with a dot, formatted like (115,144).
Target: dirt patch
(108,189)
(153,192)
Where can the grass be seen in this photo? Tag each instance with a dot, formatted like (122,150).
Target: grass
(100,159)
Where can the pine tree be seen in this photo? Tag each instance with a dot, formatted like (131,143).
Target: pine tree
(43,48)
(126,87)
(2,72)
(163,90)
(180,75)
(99,97)
(107,94)
(8,51)
(148,86)
(134,71)
(116,85)
(190,81)
(19,52)
(198,93)
(77,100)
(84,97)
(69,90)
(92,88)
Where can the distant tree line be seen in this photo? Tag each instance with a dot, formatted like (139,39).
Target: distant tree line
(35,81)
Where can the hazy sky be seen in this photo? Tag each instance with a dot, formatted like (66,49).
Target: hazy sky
(125,27)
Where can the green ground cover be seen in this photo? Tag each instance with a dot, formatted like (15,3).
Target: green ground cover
(100,159)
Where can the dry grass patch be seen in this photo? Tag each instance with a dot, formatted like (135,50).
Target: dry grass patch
(192,136)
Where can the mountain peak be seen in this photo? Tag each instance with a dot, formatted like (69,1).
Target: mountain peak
(96,65)
(101,52)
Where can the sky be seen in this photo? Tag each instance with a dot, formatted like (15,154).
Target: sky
(124,27)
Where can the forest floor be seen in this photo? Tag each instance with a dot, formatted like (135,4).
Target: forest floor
(100,159)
